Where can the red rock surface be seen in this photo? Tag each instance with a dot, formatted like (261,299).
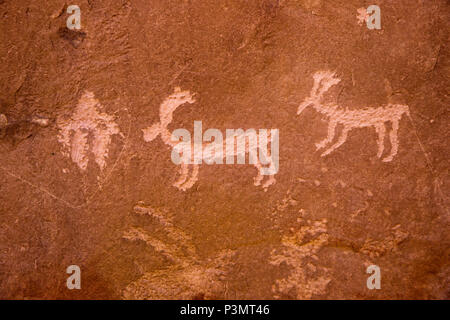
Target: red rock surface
(81,186)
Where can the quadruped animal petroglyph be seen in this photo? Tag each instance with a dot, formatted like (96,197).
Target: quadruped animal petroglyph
(186,153)
(352,119)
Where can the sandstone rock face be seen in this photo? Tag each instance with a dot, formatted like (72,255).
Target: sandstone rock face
(87,118)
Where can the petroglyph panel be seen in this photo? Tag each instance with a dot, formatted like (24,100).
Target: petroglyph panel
(92,128)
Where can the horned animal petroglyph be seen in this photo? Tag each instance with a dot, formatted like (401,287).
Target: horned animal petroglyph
(352,119)
(207,150)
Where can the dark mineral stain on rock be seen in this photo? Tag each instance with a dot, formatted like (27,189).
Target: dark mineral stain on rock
(74,37)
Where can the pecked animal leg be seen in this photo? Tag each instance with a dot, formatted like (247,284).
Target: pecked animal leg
(330,135)
(184,171)
(394,141)
(340,141)
(381,131)
(259,177)
(192,180)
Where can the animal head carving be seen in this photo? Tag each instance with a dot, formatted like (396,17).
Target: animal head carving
(176,99)
(323,81)
(166,109)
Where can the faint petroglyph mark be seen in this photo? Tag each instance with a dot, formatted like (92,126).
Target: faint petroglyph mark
(299,252)
(186,275)
(352,119)
(377,248)
(40,121)
(283,204)
(58,12)
(359,211)
(208,151)
(85,120)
